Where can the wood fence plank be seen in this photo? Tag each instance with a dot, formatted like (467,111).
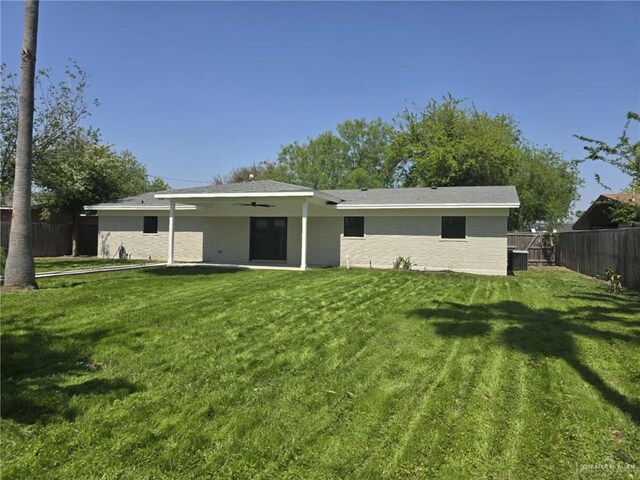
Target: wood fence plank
(593,251)
(49,239)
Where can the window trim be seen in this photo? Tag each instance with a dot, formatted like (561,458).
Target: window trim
(344,227)
(144,225)
(442,227)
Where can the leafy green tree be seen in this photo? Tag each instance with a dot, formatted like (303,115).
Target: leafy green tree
(59,109)
(446,144)
(317,163)
(20,269)
(625,156)
(83,171)
(71,166)
(157,185)
(547,185)
(367,155)
(355,156)
(259,171)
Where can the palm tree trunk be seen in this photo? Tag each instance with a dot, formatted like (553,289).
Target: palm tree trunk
(20,269)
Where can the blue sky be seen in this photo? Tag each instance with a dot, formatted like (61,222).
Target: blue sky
(195,89)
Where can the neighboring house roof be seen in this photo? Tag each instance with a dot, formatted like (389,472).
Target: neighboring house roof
(597,216)
(429,197)
(629,198)
(6,202)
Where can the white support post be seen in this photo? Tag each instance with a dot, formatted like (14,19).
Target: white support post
(303,253)
(172,211)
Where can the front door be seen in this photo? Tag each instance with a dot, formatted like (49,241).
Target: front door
(268,238)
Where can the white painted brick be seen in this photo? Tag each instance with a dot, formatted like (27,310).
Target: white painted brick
(226,240)
(484,250)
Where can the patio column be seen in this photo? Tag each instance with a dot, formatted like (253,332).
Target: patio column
(172,211)
(303,253)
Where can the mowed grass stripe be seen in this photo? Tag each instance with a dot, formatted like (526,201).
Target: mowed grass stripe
(232,375)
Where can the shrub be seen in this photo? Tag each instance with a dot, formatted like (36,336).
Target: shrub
(608,273)
(402,263)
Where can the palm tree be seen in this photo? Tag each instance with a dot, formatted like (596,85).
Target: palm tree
(20,270)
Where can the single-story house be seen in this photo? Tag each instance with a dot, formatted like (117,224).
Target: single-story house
(268,223)
(598,215)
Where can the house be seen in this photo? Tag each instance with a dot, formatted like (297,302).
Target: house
(598,215)
(6,209)
(268,223)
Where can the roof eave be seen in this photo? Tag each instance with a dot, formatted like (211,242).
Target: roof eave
(311,193)
(137,207)
(384,206)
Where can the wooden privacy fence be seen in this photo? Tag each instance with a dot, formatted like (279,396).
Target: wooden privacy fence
(593,251)
(541,246)
(49,239)
(54,239)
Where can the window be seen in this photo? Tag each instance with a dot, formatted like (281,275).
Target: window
(454,227)
(354,226)
(150,225)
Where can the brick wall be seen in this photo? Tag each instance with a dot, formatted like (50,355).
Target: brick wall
(226,240)
(323,241)
(127,230)
(484,250)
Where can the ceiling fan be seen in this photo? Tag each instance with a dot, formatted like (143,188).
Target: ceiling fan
(255,204)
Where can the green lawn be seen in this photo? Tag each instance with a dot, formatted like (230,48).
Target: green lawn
(202,373)
(54,264)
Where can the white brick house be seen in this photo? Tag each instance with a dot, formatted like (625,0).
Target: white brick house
(270,223)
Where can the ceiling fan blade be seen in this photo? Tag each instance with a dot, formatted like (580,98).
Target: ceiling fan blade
(255,204)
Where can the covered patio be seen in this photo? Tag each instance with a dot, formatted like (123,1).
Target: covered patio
(269,213)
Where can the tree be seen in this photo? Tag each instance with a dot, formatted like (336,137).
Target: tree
(59,109)
(446,144)
(260,171)
(353,157)
(547,185)
(157,185)
(625,156)
(20,269)
(316,164)
(83,171)
(69,160)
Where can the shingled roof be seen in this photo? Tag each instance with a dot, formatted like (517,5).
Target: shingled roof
(258,186)
(429,196)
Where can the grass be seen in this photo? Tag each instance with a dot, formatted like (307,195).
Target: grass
(54,264)
(203,373)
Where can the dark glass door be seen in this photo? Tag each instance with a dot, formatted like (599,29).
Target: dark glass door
(268,238)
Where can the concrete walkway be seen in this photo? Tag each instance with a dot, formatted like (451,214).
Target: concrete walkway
(82,271)
(239,266)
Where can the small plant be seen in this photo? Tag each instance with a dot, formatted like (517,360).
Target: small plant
(615,283)
(402,263)
(614,279)
(3,260)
